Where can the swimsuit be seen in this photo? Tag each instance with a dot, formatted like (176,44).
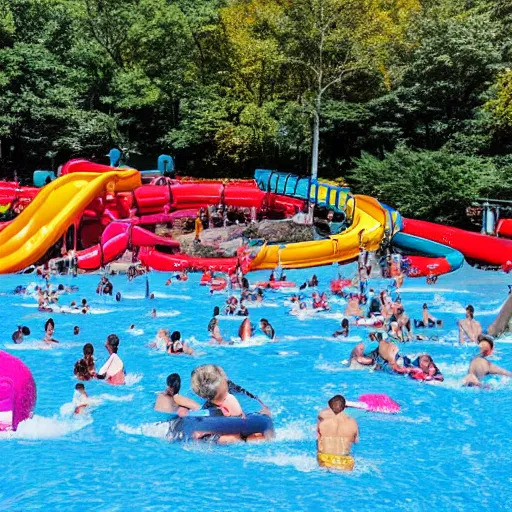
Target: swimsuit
(340,462)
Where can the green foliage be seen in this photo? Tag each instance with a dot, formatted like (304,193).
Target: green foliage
(433,185)
(421,88)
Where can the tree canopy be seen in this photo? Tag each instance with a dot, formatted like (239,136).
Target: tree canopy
(409,100)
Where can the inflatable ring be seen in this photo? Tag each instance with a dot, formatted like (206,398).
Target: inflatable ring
(208,427)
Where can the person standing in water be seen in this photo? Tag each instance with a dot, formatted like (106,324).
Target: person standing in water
(267,329)
(215,335)
(20,333)
(171,401)
(113,369)
(49,329)
(469,328)
(336,434)
(80,399)
(480,367)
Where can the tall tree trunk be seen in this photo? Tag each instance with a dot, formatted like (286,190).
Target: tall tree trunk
(316,140)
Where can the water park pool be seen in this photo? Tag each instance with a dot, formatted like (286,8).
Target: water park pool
(448,448)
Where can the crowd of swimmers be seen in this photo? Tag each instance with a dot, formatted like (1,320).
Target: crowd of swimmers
(383,311)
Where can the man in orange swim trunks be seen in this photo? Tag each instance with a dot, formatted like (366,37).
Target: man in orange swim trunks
(336,434)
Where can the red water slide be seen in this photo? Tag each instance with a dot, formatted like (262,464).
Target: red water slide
(476,247)
(504,228)
(115,240)
(151,257)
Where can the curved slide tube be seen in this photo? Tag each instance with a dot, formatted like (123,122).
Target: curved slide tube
(163,262)
(474,246)
(17,392)
(115,240)
(435,259)
(504,228)
(503,322)
(366,232)
(57,206)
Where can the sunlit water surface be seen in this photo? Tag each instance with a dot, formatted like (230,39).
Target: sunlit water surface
(448,449)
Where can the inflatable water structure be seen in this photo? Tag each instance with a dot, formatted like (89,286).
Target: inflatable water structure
(17,392)
(108,208)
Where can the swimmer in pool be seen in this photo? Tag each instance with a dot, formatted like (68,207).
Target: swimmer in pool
(210,383)
(243,311)
(161,341)
(358,358)
(49,329)
(85,307)
(113,369)
(343,332)
(153,313)
(336,434)
(171,401)
(84,368)
(215,335)
(177,346)
(426,369)
(352,308)
(76,330)
(480,367)
(469,328)
(267,329)
(427,320)
(80,399)
(20,333)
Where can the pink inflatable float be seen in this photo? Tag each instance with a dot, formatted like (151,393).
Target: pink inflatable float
(17,392)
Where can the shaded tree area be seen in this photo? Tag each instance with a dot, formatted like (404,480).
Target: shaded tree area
(407,100)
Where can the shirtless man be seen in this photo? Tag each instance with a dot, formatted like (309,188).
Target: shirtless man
(353,308)
(358,359)
(469,328)
(336,434)
(171,401)
(480,366)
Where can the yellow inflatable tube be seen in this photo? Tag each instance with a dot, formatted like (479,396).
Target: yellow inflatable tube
(366,232)
(57,206)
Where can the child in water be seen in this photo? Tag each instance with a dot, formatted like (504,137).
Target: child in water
(80,399)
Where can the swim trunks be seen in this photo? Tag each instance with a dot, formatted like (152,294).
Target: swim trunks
(339,462)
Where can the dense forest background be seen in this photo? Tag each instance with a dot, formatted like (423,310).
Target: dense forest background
(413,98)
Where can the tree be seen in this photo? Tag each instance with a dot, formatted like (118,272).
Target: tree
(432,185)
(332,39)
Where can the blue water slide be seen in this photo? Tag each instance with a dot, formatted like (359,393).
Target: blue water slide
(317,192)
(423,247)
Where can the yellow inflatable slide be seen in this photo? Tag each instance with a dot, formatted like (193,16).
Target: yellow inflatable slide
(366,232)
(57,206)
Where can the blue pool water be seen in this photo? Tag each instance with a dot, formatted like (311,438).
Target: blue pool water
(448,449)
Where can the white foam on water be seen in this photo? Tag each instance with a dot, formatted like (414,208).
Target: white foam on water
(135,332)
(133,378)
(41,427)
(40,345)
(329,367)
(253,341)
(303,463)
(160,295)
(166,314)
(256,305)
(432,289)
(295,431)
(155,430)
